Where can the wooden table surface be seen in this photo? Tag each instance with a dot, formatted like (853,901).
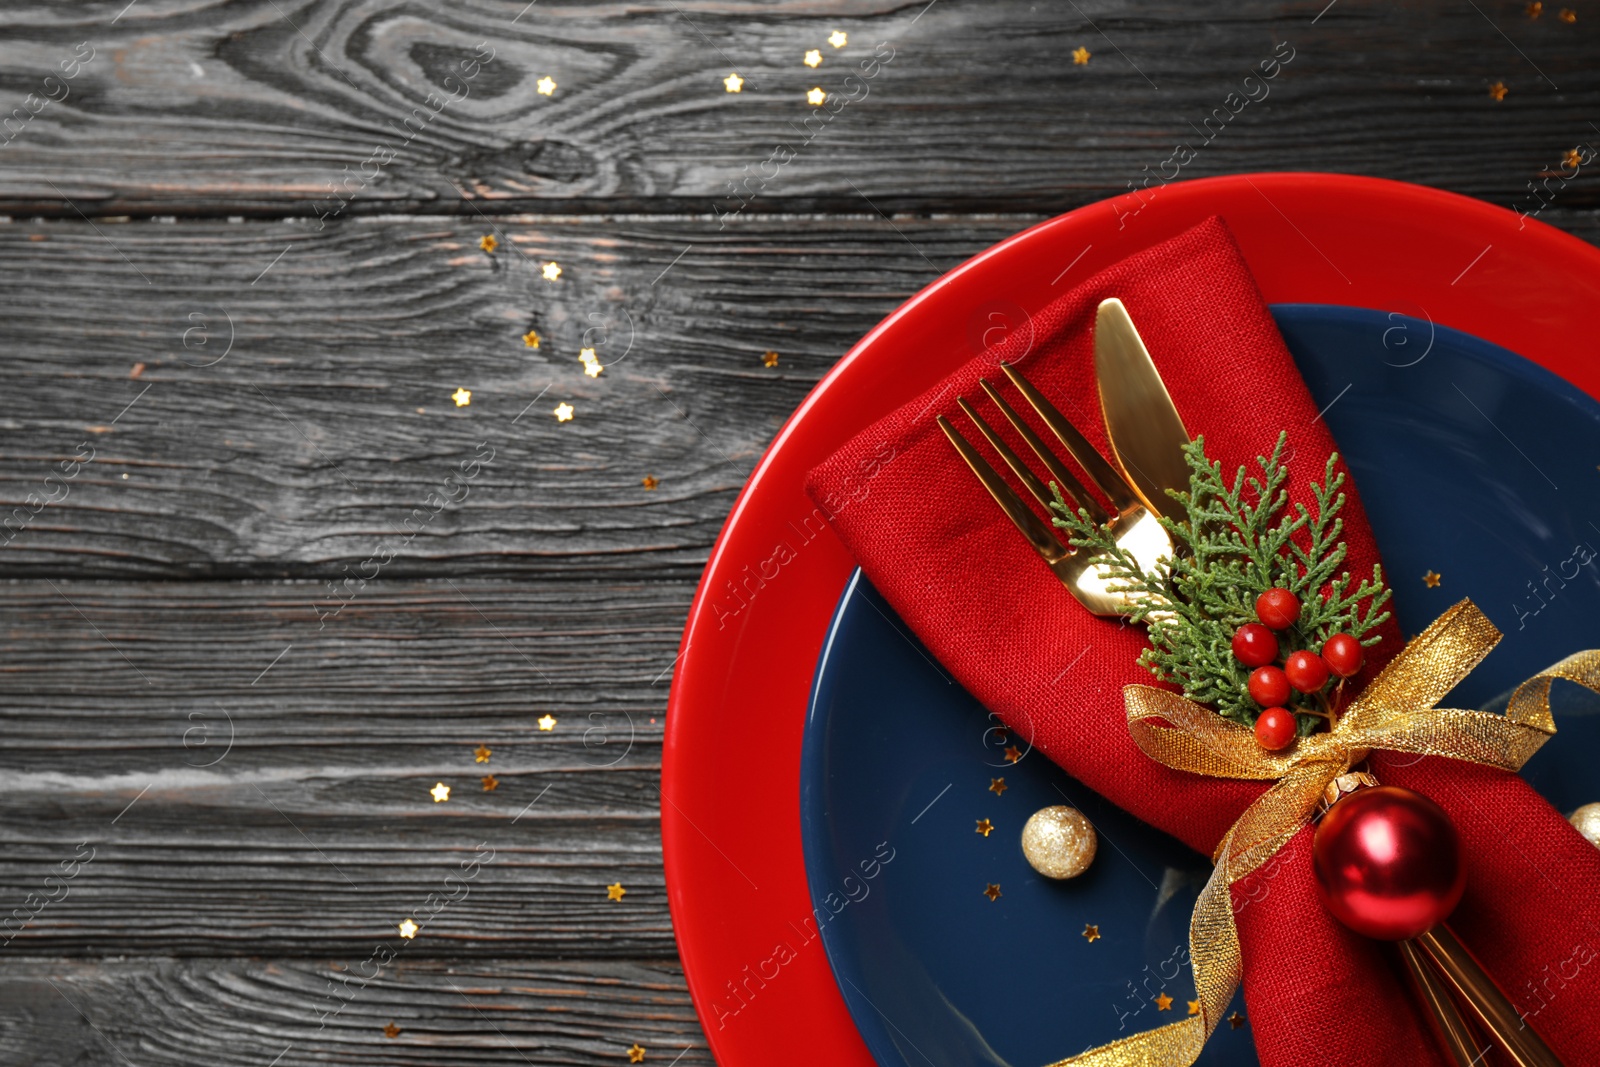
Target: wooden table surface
(266,583)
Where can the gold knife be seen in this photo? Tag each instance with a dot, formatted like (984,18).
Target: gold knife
(1147,436)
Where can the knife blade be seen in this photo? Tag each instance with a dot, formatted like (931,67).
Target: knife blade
(1147,434)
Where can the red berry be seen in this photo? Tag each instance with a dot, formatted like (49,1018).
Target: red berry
(1275,729)
(1306,671)
(1268,686)
(1254,645)
(1278,608)
(1342,653)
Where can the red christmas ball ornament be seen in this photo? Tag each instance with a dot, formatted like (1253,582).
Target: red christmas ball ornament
(1269,687)
(1254,645)
(1306,671)
(1278,608)
(1275,729)
(1343,655)
(1388,863)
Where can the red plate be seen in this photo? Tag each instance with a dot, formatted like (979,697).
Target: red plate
(730,820)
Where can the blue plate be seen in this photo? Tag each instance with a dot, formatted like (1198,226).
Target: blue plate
(1472,462)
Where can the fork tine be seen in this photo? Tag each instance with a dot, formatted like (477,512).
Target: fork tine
(1033,528)
(1035,485)
(1101,474)
(1070,486)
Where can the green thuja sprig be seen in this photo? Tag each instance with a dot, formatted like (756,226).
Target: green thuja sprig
(1234,543)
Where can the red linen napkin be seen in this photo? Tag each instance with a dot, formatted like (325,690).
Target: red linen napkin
(936,545)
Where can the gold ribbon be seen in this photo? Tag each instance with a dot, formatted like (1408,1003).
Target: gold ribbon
(1396,712)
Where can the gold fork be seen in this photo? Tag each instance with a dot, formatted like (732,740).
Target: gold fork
(1134,528)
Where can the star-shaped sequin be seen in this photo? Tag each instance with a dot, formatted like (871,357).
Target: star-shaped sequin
(1534,10)
(1080,56)
(1091,933)
(1431,579)
(391,1031)
(1163,1002)
(408,929)
(1194,1007)
(546,85)
(649,481)
(614,891)
(816,96)
(547,723)
(997,786)
(551,271)
(769,358)
(490,783)
(531,338)
(1572,158)
(1013,754)
(838,38)
(1566,14)
(562,412)
(481,754)
(985,827)
(488,243)
(590,361)
(440,793)
(814,58)
(992,891)
(1497,91)
(733,83)
(462,397)
(636,1053)
(1236,1020)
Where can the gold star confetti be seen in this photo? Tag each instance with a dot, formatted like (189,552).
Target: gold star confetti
(1091,933)
(1497,91)
(636,1053)
(733,83)
(1571,158)
(462,397)
(440,792)
(547,723)
(985,827)
(814,58)
(488,243)
(490,783)
(1194,1007)
(649,481)
(816,96)
(1431,579)
(591,362)
(1080,56)
(769,358)
(1012,754)
(838,38)
(391,1031)
(552,271)
(531,338)
(1534,10)
(481,754)
(614,891)
(997,786)
(408,929)
(992,892)
(1236,1020)
(1567,15)
(1163,1002)
(546,85)
(563,412)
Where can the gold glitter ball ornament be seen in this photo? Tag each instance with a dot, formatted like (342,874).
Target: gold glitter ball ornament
(1059,842)
(1587,821)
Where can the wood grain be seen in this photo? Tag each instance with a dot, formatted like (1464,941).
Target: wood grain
(160,1012)
(261,107)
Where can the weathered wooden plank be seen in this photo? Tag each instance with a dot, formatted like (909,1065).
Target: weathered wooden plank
(307,1013)
(325,439)
(197,768)
(323,107)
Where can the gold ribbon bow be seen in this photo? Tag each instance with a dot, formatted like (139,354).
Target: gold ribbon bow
(1396,712)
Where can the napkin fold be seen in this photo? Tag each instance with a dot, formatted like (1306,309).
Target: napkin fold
(952,565)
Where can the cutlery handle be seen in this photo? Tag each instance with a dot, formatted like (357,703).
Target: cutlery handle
(1451,959)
